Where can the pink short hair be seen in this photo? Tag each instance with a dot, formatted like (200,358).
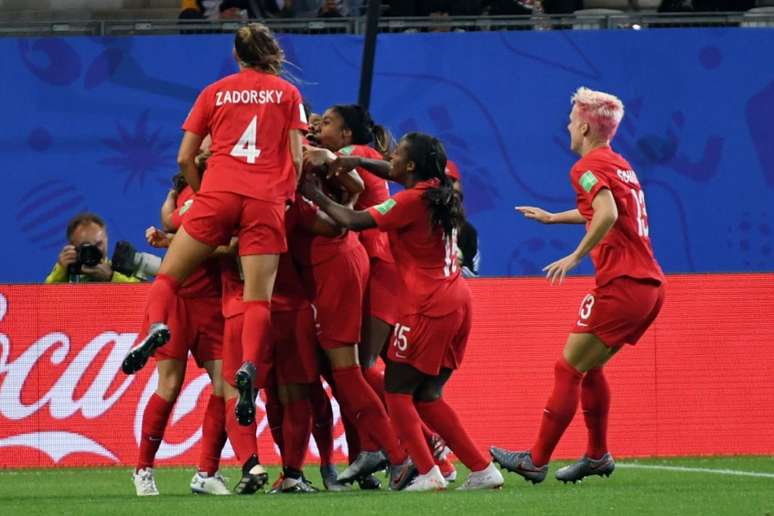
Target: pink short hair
(602,111)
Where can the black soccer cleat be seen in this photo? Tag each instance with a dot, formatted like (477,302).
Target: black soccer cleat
(254,477)
(245,405)
(586,467)
(519,463)
(366,463)
(401,476)
(369,483)
(158,335)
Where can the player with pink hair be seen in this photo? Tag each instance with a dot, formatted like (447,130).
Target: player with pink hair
(628,295)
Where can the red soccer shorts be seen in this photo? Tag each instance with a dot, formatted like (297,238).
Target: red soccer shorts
(338,286)
(196,325)
(214,216)
(294,346)
(382,291)
(431,343)
(619,312)
(232,353)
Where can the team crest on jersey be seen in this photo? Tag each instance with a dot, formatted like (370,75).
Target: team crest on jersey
(186,206)
(385,206)
(588,180)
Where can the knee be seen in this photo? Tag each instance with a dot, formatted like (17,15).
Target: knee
(428,393)
(169,389)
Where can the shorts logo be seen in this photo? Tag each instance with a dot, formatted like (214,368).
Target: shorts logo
(588,180)
(186,206)
(385,206)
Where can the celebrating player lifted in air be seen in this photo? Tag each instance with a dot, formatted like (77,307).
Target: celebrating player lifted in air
(628,295)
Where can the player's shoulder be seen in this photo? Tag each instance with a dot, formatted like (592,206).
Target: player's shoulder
(363,151)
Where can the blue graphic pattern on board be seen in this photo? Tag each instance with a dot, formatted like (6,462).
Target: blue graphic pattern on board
(93,123)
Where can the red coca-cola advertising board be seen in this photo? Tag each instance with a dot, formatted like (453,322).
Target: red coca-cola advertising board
(699,383)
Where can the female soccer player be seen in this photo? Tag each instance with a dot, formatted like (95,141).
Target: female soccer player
(432,330)
(628,295)
(348,130)
(256,120)
(197,325)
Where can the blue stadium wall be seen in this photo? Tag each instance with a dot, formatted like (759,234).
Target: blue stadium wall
(93,123)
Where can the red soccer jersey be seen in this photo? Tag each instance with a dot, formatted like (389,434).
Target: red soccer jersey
(248,115)
(376,191)
(309,249)
(626,249)
(205,280)
(426,258)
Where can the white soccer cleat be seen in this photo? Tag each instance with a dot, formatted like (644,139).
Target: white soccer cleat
(487,478)
(214,485)
(431,481)
(145,483)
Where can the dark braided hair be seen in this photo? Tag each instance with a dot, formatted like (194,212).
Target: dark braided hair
(429,157)
(257,47)
(364,131)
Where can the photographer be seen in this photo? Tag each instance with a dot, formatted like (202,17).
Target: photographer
(84,258)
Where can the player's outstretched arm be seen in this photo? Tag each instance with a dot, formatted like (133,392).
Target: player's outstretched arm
(377,167)
(546,217)
(342,215)
(605,215)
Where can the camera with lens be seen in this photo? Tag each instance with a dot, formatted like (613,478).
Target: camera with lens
(88,255)
(130,262)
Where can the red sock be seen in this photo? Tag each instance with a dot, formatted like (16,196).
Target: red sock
(364,407)
(352,435)
(274,413)
(322,422)
(408,426)
(242,438)
(154,421)
(375,379)
(255,331)
(595,402)
(213,435)
(296,429)
(439,415)
(160,297)
(559,411)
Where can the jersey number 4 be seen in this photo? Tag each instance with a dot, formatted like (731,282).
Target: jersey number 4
(245,147)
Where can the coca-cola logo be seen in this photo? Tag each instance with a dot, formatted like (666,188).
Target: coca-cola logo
(82,407)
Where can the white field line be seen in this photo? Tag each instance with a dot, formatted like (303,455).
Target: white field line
(685,469)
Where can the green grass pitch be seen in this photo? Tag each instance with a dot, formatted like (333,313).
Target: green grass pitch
(630,490)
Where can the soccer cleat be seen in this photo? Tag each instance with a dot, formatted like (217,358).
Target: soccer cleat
(245,405)
(487,478)
(254,477)
(430,481)
(448,470)
(519,463)
(401,476)
(214,485)
(369,483)
(438,447)
(275,487)
(365,464)
(145,483)
(294,486)
(158,335)
(587,467)
(329,479)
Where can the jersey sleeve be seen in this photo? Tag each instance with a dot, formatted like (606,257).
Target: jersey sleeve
(297,113)
(588,182)
(398,211)
(198,120)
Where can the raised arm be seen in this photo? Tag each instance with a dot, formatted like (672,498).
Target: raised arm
(342,164)
(186,159)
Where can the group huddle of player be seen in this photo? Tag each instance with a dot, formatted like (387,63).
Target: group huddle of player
(289,262)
